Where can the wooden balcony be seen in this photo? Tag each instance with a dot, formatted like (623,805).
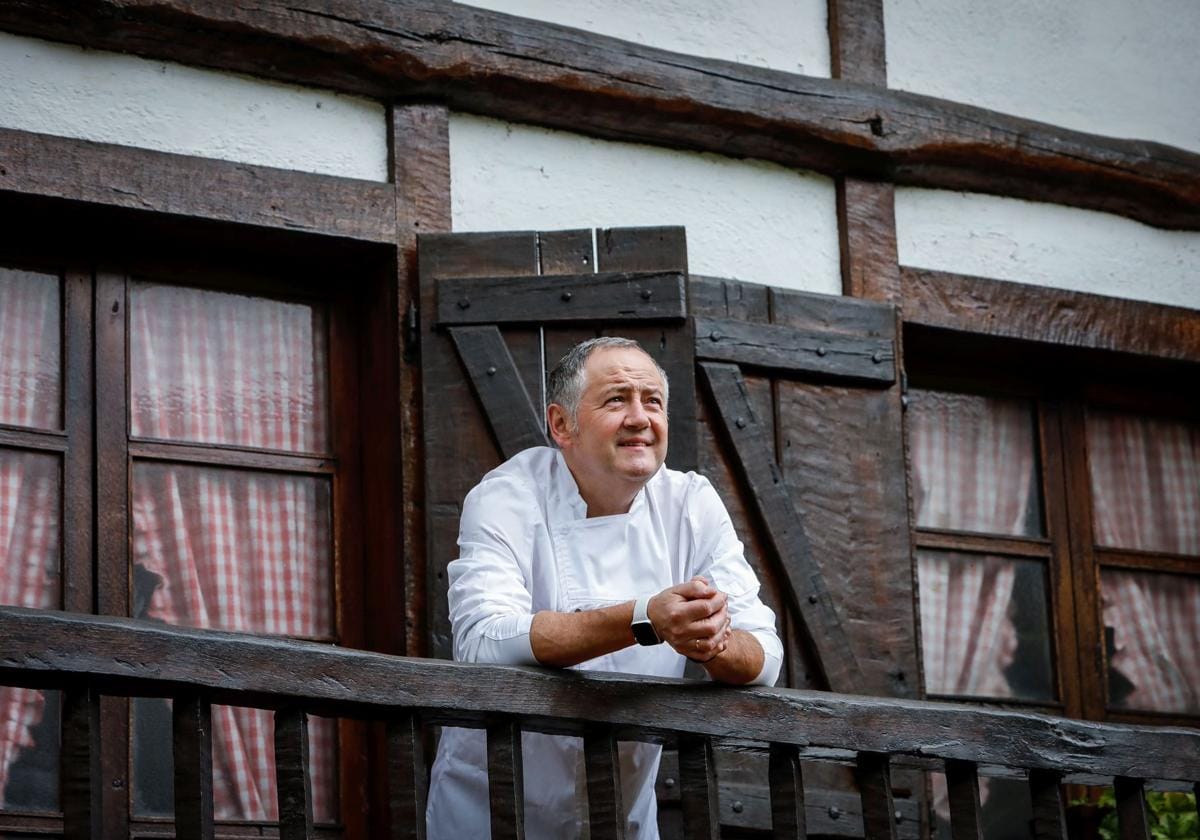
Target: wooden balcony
(89,656)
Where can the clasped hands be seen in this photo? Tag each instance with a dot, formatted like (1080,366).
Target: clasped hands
(692,618)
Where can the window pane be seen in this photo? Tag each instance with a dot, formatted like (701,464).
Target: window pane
(984,626)
(1145,482)
(30,500)
(232,549)
(212,367)
(243,763)
(30,350)
(1152,631)
(974,464)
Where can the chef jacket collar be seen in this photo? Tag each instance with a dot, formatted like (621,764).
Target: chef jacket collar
(566,491)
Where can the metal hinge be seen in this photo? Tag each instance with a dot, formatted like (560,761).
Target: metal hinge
(412,333)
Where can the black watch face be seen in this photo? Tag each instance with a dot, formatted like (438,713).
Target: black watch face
(644,633)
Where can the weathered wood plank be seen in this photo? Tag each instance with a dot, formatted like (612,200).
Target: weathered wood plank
(506,779)
(874,775)
(407,780)
(498,385)
(867,239)
(698,787)
(528,71)
(291,775)
(79,763)
(787,793)
(192,725)
(1053,316)
(862,359)
(182,185)
(857,46)
(962,781)
(1049,817)
(1131,808)
(806,587)
(51,649)
(608,296)
(606,811)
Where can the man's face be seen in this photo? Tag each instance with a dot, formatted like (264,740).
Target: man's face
(620,437)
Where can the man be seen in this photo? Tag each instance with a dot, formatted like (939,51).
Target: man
(594,556)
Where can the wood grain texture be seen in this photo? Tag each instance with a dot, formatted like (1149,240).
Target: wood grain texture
(528,71)
(857,45)
(407,779)
(784,524)
(510,413)
(874,775)
(698,788)
(50,649)
(203,188)
(606,811)
(1131,808)
(607,296)
(861,359)
(291,774)
(506,779)
(1053,316)
(192,731)
(787,794)
(79,763)
(866,213)
(962,782)
(1049,817)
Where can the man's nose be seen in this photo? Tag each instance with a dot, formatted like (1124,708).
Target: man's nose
(636,416)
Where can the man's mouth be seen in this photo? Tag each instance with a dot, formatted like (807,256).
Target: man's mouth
(636,443)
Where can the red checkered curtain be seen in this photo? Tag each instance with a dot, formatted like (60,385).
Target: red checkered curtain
(30,483)
(228,548)
(973,470)
(1145,477)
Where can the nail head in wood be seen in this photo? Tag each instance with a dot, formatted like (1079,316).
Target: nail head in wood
(566,297)
(715,336)
(821,351)
(740,422)
(463,303)
(646,294)
(491,371)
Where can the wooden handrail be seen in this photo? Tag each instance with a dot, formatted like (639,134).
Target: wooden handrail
(91,655)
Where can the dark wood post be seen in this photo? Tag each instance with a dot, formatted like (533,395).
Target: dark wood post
(407,781)
(787,793)
(1131,808)
(698,787)
(506,779)
(79,763)
(192,722)
(1049,818)
(291,775)
(606,812)
(962,780)
(874,775)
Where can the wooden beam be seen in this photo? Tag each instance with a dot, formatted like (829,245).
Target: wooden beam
(867,360)
(606,812)
(506,779)
(873,772)
(962,783)
(182,185)
(52,649)
(79,763)
(609,296)
(1053,316)
(698,788)
(804,583)
(515,423)
(1132,816)
(291,775)
(786,779)
(518,69)
(192,731)
(407,777)
(1049,818)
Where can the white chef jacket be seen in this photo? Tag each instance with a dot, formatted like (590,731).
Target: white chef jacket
(527,545)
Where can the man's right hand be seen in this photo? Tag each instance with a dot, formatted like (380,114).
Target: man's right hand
(692,618)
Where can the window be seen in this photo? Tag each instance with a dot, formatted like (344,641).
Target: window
(191,419)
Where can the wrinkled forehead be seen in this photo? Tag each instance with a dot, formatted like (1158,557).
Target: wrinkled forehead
(622,366)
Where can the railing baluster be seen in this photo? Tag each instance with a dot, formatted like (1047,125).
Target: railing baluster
(79,763)
(506,781)
(962,781)
(1131,808)
(1196,800)
(698,787)
(192,724)
(291,775)
(1049,818)
(407,781)
(874,775)
(787,793)
(606,812)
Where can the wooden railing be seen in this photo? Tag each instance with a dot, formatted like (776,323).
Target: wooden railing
(89,656)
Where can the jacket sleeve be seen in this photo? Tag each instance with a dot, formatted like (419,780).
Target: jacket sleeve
(490,596)
(722,560)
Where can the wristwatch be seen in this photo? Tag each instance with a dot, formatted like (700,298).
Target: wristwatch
(643,630)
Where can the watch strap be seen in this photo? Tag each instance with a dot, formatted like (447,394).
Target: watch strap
(643,630)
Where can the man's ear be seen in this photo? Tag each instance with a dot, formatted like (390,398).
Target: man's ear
(559,424)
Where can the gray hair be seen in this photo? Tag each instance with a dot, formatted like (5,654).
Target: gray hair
(568,380)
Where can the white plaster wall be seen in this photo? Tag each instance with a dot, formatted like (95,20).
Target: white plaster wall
(1114,67)
(113,98)
(789,35)
(746,220)
(1047,245)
